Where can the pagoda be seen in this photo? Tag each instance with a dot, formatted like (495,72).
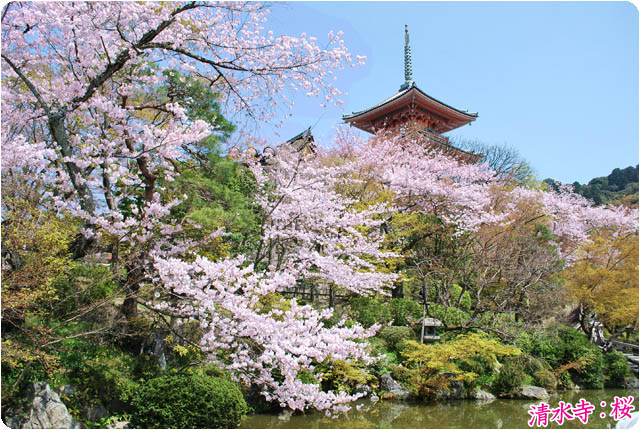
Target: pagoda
(415,114)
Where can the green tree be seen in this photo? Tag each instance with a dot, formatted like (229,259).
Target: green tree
(214,189)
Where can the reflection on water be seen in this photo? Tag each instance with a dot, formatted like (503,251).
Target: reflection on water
(449,414)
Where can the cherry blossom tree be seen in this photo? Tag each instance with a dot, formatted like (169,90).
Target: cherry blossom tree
(469,196)
(464,232)
(85,113)
(309,231)
(308,224)
(81,103)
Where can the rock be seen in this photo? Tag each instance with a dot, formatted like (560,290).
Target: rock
(483,396)
(374,398)
(531,392)
(67,390)
(577,387)
(387,383)
(454,391)
(285,415)
(46,411)
(12,419)
(118,425)
(362,388)
(632,383)
(156,347)
(97,412)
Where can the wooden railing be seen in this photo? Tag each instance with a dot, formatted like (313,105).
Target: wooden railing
(625,346)
(435,138)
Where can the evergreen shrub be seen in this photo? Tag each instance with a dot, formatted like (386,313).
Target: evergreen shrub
(579,349)
(393,335)
(546,379)
(377,345)
(616,369)
(511,376)
(369,311)
(548,346)
(188,401)
(403,310)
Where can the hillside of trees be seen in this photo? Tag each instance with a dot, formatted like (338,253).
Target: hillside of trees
(620,187)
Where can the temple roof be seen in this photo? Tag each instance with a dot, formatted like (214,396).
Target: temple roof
(410,103)
(303,141)
(412,95)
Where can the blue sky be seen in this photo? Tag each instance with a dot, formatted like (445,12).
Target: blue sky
(558,81)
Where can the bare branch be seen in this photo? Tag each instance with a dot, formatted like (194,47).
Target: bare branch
(28,83)
(125,55)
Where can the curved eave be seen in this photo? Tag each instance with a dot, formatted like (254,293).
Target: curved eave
(405,98)
(354,115)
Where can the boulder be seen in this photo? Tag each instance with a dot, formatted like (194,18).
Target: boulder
(118,425)
(362,388)
(632,383)
(67,390)
(483,396)
(387,383)
(156,347)
(12,419)
(455,390)
(531,392)
(96,412)
(46,411)
(285,415)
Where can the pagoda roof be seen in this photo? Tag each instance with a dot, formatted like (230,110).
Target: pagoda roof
(304,140)
(411,95)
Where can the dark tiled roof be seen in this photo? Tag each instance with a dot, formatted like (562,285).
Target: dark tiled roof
(306,135)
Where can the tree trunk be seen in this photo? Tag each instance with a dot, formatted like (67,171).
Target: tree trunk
(397,292)
(424,315)
(132,286)
(332,298)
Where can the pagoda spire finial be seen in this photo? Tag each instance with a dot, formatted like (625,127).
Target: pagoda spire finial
(408,73)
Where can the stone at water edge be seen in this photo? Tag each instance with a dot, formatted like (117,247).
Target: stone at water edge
(362,388)
(483,396)
(533,392)
(389,396)
(285,415)
(455,390)
(631,383)
(387,383)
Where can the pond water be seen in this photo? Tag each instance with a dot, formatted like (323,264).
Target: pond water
(501,413)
